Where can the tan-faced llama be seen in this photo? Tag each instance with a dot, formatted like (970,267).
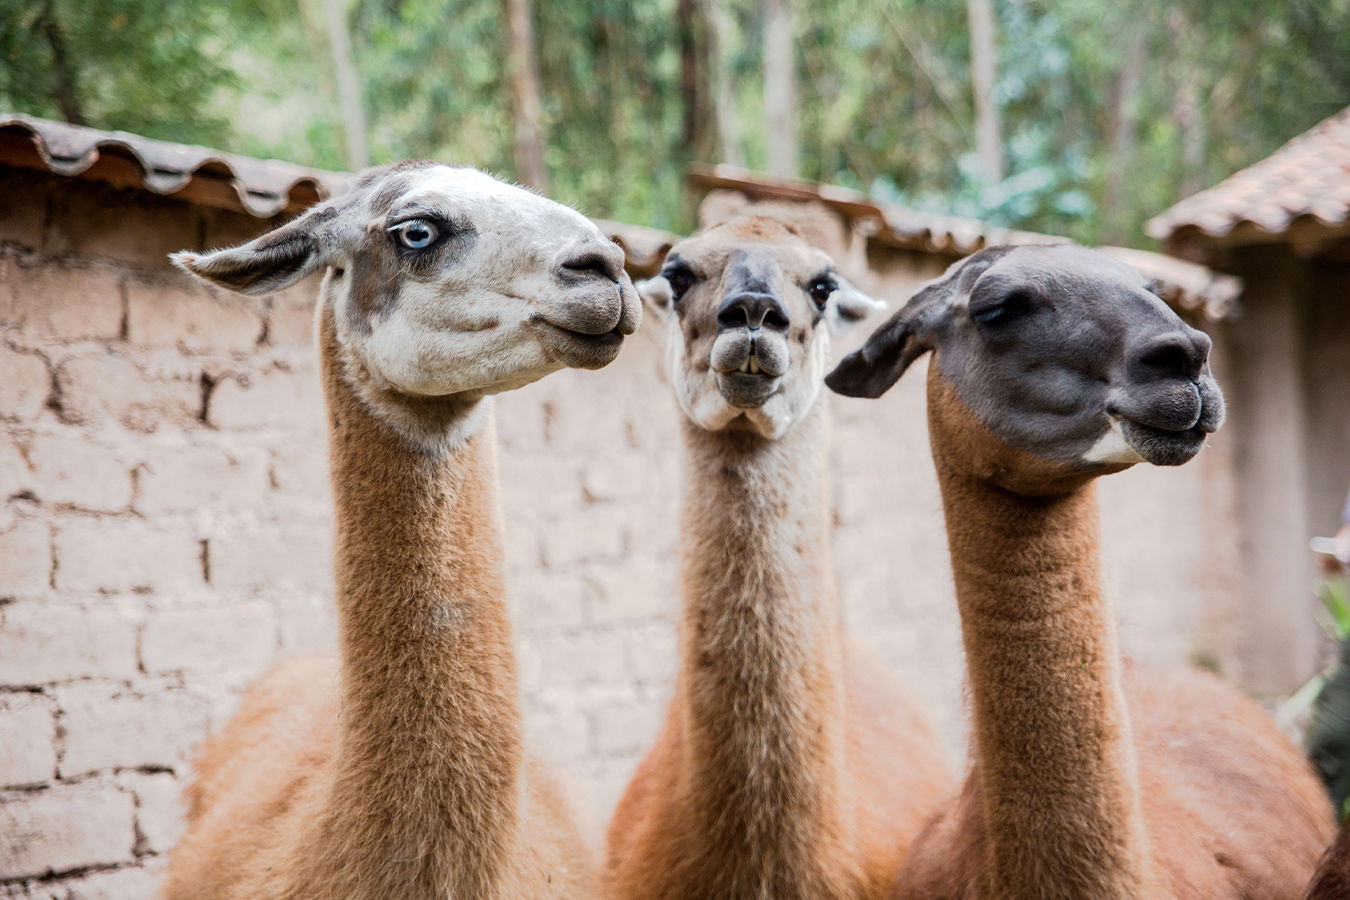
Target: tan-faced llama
(791,765)
(398,770)
(1053,366)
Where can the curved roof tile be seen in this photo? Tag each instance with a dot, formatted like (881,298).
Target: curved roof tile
(1186,285)
(261,188)
(1306,179)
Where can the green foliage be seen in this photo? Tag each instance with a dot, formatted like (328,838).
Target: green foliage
(1324,700)
(884,92)
(440,91)
(1335,596)
(138,65)
(170,69)
(609,73)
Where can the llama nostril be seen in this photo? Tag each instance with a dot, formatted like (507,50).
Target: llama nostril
(730,318)
(589,262)
(752,310)
(1168,358)
(1175,355)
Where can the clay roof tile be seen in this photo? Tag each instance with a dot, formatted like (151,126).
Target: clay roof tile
(1309,176)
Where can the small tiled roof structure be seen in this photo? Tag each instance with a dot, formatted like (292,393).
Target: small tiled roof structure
(265,188)
(260,188)
(896,226)
(1187,285)
(1303,185)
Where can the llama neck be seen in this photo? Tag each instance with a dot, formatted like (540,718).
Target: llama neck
(429,747)
(1054,766)
(760,683)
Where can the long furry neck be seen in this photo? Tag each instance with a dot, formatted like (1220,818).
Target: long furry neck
(760,683)
(428,777)
(1054,766)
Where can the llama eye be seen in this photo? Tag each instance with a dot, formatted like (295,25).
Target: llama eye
(416,234)
(821,290)
(680,279)
(1002,310)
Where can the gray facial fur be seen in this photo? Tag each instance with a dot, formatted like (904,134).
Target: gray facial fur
(1054,349)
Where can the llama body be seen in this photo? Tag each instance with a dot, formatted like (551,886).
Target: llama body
(1053,366)
(790,764)
(399,770)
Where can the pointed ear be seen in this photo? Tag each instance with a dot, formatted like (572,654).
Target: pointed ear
(656,295)
(268,263)
(847,307)
(870,370)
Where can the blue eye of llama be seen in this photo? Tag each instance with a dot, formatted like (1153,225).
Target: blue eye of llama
(416,234)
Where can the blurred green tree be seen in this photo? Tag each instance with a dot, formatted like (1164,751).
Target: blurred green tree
(138,65)
(1107,111)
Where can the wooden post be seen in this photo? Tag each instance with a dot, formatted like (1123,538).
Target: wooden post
(348,86)
(780,88)
(983,72)
(523,80)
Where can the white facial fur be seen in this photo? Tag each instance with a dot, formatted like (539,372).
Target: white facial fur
(510,288)
(695,384)
(706,407)
(1112,447)
(472,326)
(848,306)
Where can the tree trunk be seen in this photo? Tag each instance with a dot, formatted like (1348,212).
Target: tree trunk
(1187,114)
(983,72)
(523,78)
(66,87)
(1124,123)
(697,52)
(728,130)
(348,85)
(780,88)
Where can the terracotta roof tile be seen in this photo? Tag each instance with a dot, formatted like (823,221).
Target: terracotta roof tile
(258,187)
(1307,177)
(895,225)
(261,188)
(1186,285)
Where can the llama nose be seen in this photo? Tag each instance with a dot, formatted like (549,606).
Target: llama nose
(591,259)
(752,309)
(1175,354)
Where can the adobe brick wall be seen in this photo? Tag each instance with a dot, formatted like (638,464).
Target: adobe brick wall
(165,535)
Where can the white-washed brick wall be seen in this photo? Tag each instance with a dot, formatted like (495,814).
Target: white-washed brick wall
(165,536)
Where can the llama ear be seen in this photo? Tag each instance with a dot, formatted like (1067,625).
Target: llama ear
(870,370)
(656,294)
(268,263)
(847,307)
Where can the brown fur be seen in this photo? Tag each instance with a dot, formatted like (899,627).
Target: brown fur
(791,764)
(1332,881)
(1168,786)
(398,773)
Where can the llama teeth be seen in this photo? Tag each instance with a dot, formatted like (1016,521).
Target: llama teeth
(745,366)
(754,366)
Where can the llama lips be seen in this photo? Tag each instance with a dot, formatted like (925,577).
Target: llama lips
(748,387)
(579,349)
(744,352)
(1161,447)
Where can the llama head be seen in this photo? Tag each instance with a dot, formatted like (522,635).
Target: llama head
(1051,365)
(749,306)
(443,281)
